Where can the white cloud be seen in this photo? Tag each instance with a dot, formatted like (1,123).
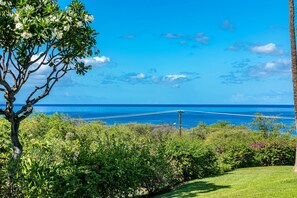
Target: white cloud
(89,60)
(96,60)
(201,38)
(188,38)
(36,56)
(280,67)
(174,77)
(139,76)
(43,69)
(172,35)
(173,80)
(268,49)
(244,71)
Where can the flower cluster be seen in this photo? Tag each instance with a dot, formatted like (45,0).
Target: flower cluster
(57,34)
(26,35)
(5,3)
(2,3)
(60,22)
(89,18)
(53,19)
(47,23)
(28,8)
(19,26)
(79,24)
(258,145)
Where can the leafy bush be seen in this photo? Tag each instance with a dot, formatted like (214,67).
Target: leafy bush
(191,159)
(79,159)
(274,153)
(199,132)
(235,156)
(5,144)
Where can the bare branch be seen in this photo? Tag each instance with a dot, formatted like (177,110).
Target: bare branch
(25,111)
(3,60)
(48,47)
(15,61)
(47,87)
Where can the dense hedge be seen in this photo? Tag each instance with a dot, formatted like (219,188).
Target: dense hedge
(243,146)
(71,159)
(64,158)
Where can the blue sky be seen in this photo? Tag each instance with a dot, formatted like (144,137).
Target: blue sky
(186,52)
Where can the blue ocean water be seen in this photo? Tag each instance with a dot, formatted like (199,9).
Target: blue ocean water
(193,114)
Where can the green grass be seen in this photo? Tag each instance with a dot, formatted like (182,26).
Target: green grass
(277,181)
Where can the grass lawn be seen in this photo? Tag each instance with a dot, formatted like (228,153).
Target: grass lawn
(277,181)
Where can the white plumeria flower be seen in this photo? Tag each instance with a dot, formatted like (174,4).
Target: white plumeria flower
(79,24)
(2,3)
(66,28)
(16,17)
(54,33)
(53,18)
(69,19)
(28,7)
(59,35)
(19,26)
(89,18)
(26,35)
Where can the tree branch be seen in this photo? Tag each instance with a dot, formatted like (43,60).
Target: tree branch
(51,81)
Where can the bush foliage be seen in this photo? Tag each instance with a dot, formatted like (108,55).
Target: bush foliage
(70,158)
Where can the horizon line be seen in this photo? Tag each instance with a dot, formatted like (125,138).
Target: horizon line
(162,104)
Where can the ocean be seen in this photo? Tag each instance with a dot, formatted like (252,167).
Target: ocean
(168,114)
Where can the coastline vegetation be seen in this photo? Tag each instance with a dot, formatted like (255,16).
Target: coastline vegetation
(67,158)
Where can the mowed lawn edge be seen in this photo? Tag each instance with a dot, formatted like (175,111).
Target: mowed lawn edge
(272,181)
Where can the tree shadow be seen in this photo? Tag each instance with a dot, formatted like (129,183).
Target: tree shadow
(193,189)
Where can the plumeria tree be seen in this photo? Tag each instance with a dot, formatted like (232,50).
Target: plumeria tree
(34,35)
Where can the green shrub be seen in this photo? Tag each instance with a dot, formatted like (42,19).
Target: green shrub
(5,144)
(140,129)
(235,156)
(274,153)
(64,158)
(191,159)
(200,132)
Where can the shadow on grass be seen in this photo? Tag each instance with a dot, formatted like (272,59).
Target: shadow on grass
(193,189)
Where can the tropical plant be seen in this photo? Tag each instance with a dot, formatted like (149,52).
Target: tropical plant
(38,37)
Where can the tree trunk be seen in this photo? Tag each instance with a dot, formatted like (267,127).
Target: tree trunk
(294,64)
(17,146)
(13,166)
